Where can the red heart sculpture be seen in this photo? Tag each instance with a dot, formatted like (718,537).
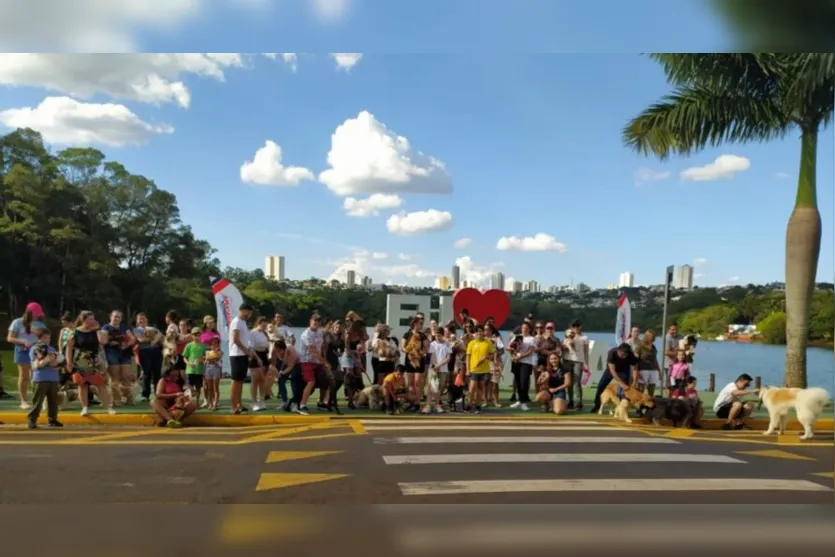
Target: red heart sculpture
(481,305)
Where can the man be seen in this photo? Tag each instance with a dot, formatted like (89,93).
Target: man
(278,330)
(728,406)
(239,355)
(287,358)
(394,390)
(634,338)
(311,356)
(480,351)
(670,348)
(576,357)
(622,368)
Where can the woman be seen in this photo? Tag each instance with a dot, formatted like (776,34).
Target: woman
(259,342)
(353,358)
(524,355)
(496,365)
(83,347)
(207,337)
(649,370)
(149,341)
(557,385)
(22,337)
(170,402)
(387,353)
(415,347)
(118,341)
(333,344)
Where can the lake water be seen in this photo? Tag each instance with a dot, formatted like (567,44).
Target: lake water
(729,359)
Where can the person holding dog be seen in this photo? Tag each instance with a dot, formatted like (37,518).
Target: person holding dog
(170,402)
(394,389)
(46,378)
(556,385)
(622,368)
(728,406)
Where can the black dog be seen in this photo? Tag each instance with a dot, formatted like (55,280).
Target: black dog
(679,412)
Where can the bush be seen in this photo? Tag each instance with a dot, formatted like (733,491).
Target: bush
(773,328)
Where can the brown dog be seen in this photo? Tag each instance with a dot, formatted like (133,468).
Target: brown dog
(633,398)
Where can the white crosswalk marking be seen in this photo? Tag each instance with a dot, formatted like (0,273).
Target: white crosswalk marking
(592,457)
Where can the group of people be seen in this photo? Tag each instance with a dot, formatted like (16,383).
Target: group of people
(432,368)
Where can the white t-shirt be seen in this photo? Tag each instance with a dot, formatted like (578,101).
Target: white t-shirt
(259,341)
(725,396)
(440,352)
(528,343)
(240,325)
(282,332)
(580,349)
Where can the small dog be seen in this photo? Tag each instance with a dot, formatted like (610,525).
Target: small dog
(688,344)
(370,397)
(678,411)
(633,398)
(807,404)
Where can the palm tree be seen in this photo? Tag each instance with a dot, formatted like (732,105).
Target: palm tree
(743,98)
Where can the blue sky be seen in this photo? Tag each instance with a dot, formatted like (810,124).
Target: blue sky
(530,143)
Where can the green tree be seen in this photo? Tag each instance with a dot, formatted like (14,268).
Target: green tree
(773,328)
(721,98)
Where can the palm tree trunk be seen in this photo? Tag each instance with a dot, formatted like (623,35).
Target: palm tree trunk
(803,240)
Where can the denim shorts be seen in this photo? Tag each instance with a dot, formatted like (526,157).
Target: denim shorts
(117,357)
(21,357)
(346,362)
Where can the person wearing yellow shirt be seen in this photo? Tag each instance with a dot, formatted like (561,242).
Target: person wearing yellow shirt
(480,352)
(394,389)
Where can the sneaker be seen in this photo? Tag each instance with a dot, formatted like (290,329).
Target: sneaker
(426,410)
(243,409)
(111,411)
(294,408)
(204,405)
(258,407)
(303,410)
(25,406)
(4,395)
(322,405)
(54,423)
(727,427)
(497,405)
(741,426)
(174,424)
(524,408)
(145,400)
(439,409)
(85,411)
(516,405)
(32,424)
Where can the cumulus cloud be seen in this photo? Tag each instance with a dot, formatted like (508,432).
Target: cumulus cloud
(419,222)
(146,78)
(725,166)
(539,242)
(646,175)
(371,205)
(267,168)
(346,60)
(404,257)
(289,58)
(462,243)
(470,271)
(65,121)
(366,158)
(734,279)
(367,263)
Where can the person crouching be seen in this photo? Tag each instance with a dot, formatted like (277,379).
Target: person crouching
(171,403)
(395,391)
(46,379)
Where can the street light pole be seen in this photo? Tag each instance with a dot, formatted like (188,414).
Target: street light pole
(668,279)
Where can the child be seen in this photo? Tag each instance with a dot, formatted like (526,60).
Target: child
(394,389)
(46,378)
(440,353)
(194,355)
(214,372)
(679,372)
(691,395)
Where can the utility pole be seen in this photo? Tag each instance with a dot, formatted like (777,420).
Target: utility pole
(668,279)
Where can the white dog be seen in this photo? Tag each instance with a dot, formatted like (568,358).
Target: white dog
(807,404)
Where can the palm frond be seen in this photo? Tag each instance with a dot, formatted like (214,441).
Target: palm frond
(750,73)
(694,117)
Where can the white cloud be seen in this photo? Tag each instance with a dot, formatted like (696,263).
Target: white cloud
(371,205)
(462,243)
(783,175)
(539,242)
(404,257)
(470,271)
(366,157)
(289,58)
(346,60)
(725,166)
(699,261)
(733,279)
(65,121)
(147,78)
(367,263)
(266,168)
(331,10)
(645,175)
(419,222)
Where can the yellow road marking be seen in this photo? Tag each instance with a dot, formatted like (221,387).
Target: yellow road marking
(681,433)
(284,456)
(776,454)
(357,426)
(107,437)
(311,437)
(269,481)
(825,474)
(273,434)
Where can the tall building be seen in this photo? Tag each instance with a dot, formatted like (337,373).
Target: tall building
(497,281)
(627,280)
(443,283)
(517,287)
(274,267)
(456,277)
(683,277)
(532,286)
(351,278)
(366,282)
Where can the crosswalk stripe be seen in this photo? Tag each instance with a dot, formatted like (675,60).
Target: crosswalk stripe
(607,485)
(522,439)
(558,457)
(453,421)
(485,427)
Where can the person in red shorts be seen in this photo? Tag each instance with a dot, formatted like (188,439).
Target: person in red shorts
(311,357)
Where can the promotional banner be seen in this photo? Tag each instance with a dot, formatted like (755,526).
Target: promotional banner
(623,323)
(227,299)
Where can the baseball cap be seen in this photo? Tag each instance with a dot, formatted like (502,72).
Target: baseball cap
(35,309)
(549,325)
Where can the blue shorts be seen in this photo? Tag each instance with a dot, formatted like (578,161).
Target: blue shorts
(21,357)
(117,357)
(346,362)
(559,394)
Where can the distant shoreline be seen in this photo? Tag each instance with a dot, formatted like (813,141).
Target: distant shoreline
(811,344)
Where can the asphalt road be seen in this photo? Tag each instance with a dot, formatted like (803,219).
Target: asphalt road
(413,461)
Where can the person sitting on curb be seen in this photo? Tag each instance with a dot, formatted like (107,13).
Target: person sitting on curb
(728,406)
(171,404)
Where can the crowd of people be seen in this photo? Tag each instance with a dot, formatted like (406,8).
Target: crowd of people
(433,368)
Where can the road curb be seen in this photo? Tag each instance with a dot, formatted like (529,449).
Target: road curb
(213,420)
